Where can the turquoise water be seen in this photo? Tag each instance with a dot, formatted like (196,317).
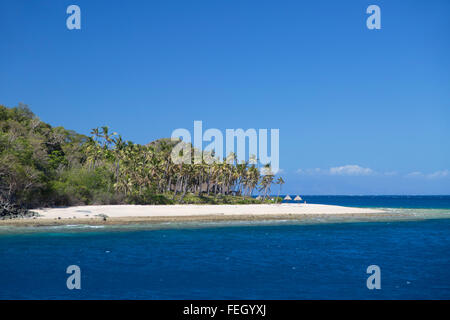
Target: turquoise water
(270,260)
(412,202)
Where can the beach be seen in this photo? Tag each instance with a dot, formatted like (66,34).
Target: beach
(126,214)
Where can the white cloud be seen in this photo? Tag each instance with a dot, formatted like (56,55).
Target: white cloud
(415,174)
(347,170)
(439,174)
(351,170)
(434,175)
(311,171)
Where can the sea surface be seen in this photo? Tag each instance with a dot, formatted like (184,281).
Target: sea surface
(318,259)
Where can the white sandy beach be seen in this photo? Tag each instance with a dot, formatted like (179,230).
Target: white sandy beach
(124,211)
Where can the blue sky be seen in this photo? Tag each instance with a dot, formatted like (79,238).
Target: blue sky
(359,111)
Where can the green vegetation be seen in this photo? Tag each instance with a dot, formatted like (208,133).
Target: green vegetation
(42,165)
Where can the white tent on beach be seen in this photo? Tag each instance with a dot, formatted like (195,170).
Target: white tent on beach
(298,198)
(287,198)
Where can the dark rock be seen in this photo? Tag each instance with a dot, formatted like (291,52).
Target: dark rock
(103,216)
(12,211)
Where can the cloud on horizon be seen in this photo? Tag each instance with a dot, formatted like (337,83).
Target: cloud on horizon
(351,170)
(347,170)
(356,170)
(434,175)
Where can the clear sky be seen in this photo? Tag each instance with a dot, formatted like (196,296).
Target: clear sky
(359,111)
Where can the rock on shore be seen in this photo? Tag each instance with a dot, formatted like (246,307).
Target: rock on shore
(11,211)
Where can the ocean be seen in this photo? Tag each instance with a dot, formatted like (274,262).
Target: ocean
(321,259)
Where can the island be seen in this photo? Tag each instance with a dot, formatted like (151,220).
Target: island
(51,175)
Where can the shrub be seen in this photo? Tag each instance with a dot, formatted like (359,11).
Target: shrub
(82,186)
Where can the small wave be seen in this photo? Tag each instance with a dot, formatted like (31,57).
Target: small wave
(74,226)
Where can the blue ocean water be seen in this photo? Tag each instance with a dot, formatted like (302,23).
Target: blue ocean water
(411,202)
(236,261)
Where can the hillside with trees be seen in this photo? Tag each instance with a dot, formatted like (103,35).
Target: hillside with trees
(41,165)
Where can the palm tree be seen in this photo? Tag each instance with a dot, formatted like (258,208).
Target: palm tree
(280,182)
(266,180)
(137,169)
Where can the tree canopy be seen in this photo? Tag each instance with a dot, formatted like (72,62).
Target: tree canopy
(41,165)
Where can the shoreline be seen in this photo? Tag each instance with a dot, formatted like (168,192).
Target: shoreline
(180,219)
(153,214)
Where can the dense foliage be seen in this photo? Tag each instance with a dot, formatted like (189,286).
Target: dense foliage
(42,165)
